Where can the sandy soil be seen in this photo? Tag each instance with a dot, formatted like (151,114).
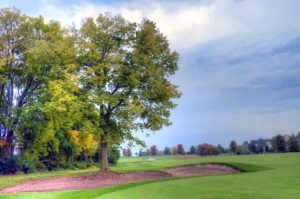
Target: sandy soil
(103,180)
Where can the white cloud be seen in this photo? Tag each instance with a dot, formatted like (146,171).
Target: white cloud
(185,26)
(225,46)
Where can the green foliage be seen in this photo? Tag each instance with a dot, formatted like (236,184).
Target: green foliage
(180,149)
(233,146)
(242,150)
(125,74)
(192,150)
(222,150)
(174,150)
(153,150)
(252,148)
(279,143)
(10,166)
(167,151)
(293,144)
(207,150)
(64,93)
(113,155)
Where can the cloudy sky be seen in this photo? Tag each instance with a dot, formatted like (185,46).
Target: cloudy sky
(239,62)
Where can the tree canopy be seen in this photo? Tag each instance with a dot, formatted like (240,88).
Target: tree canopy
(72,91)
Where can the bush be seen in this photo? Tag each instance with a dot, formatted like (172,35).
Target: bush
(40,167)
(80,165)
(113,155)
(28,166)
(9,166)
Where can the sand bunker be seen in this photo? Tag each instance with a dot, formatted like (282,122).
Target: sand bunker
(99,180)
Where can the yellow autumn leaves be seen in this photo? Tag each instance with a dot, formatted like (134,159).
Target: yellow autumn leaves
(83,141)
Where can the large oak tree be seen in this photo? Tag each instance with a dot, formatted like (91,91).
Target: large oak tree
(125,74)
(102,82)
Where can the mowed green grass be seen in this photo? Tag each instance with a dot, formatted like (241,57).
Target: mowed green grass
(268,176)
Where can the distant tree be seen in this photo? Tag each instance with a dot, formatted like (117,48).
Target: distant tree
(260,149)
(153,150)
(180,149)
(124,152)
(141,153)
(148,152)
(298,134)
(128,152)
(167,151)
(174,150)
(215,150)
(252,148)
(293,144)
(192,149)
(207,149)
(279,143)
(222,150)
(242,149)
(232,146)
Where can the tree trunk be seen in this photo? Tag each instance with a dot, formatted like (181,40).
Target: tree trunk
(104,157)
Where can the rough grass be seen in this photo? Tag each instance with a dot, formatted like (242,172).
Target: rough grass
(268,176)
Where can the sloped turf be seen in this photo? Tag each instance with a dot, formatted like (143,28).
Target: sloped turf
(268,176)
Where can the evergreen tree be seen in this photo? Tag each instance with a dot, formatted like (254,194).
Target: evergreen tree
(192,150)
(167,151)
(233,146)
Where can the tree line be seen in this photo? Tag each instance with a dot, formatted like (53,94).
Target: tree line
(278,144)
(75,94)
(201,149)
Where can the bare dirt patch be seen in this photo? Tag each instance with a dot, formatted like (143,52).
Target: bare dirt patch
(103,180)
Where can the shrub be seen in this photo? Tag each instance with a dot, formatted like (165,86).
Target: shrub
(40,166)
(9,166)
(113,155)
(80,165)
(28,166)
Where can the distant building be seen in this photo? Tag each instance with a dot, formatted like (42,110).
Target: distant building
(286,138)
(298,140)
(265,145)
(261,145)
